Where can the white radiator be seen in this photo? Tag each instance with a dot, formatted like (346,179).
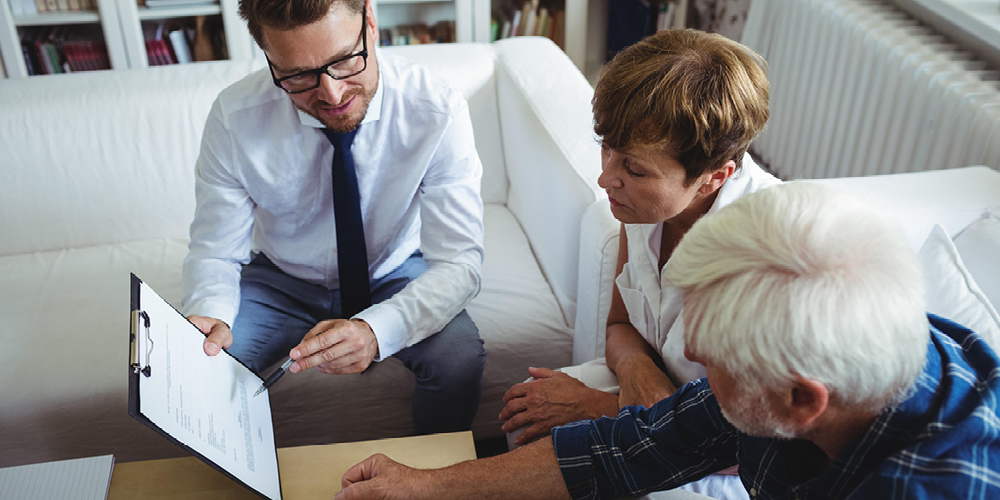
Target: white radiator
(862,88)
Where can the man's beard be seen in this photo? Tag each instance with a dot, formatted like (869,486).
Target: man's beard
(752,415)
(345,123)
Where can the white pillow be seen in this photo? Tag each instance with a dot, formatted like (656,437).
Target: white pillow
(951,291)
(979,246)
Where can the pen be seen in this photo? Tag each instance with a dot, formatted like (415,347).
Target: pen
(275,376)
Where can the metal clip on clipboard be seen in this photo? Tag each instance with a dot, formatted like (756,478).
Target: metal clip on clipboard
(138,315)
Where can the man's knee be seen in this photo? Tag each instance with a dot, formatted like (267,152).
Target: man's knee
(455,356)
(469,354)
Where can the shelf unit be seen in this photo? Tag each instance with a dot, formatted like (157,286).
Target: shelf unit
(472,17)
(10,40)
(238,41)
(120,23)
(575,24)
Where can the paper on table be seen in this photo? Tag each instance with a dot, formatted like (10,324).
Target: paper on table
(204,401)
(79,479)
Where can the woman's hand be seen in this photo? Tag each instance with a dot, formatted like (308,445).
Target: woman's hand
(552,399)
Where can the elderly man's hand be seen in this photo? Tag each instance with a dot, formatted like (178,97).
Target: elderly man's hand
(552,399)
(380,478)
(336,347)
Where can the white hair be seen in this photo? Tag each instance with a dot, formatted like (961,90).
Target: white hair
(803,280)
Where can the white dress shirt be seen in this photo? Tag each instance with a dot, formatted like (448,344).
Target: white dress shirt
(263,183)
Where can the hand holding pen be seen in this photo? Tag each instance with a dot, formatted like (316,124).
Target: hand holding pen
(334,346)
(275,376)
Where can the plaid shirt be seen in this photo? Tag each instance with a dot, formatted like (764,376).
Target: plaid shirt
(942,442)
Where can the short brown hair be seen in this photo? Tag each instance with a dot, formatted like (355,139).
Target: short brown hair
(698,95)
(288,14)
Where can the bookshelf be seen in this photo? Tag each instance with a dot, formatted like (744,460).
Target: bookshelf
(100,24)
(122,28)
(567,21)
(470,18)
(220,19)
(119,27)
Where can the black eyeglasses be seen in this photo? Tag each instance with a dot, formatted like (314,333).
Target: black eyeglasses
(340,69)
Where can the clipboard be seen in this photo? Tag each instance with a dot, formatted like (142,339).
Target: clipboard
(165,357)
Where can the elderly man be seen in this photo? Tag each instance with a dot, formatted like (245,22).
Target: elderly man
(339,220)
(825,378)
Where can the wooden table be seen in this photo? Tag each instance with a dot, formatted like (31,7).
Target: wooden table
(307,472)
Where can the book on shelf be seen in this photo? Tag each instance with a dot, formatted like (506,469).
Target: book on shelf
(29,64)
(84,56)
(665,16)
(25,7)
(505,32)
(63,49)
(34,7)
(529,18)
(159,4)
(181,49)
(542,23)
(184,40)
(157,52)
(416,34)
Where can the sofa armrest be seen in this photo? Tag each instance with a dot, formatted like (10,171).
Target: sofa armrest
(598,258)
(550,154)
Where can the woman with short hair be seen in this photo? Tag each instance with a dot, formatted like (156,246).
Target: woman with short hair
(675,114)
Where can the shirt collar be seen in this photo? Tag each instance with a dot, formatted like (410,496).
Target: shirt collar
(373,114)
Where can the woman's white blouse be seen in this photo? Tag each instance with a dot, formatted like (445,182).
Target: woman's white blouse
(655,310)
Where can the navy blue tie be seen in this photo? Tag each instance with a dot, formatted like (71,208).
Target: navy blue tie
(352,255)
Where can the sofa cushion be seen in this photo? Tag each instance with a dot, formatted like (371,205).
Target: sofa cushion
(543,199)
(952,292)
(979,246)
(94,174)
(916,201)
(58,176)
(64,362)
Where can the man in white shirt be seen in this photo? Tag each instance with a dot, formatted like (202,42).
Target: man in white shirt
(274,244)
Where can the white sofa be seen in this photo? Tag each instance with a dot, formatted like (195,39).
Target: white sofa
(963,285)
(96,181)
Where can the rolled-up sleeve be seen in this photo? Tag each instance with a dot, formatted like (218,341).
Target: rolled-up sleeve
(680,439)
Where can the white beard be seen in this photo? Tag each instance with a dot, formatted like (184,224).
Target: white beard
(751,414)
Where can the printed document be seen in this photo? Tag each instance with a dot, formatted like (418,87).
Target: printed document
(205,402)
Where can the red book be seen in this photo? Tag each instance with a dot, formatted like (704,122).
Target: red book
(70,56)
(101,56)
(88,57)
